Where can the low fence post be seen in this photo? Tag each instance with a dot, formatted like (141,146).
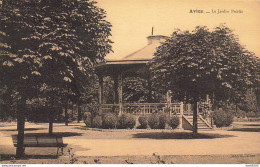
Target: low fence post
(181,115)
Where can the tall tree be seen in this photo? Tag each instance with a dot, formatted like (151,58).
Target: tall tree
(194,64)
(50,48)
(17,65)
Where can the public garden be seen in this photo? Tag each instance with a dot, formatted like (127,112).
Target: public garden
(190,97)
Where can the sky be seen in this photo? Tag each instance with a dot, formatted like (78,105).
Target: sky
(132,20)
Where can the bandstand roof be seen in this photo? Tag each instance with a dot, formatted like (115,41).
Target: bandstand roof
(134,61)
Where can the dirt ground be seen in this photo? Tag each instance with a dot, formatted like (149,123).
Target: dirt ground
(98,146)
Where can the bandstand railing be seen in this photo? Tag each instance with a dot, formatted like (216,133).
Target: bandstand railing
(145,108)
(142,108)
(179,109)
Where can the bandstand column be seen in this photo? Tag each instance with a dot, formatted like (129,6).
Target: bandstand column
(115,78)
(149,89)
(100,90)
(120,93)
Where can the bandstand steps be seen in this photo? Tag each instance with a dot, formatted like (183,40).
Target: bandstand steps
(201,124)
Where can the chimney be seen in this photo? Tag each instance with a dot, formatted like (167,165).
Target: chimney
(156,39)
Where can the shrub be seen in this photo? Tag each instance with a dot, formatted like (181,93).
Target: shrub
(109,121)
(97,122)
(153,121)
(222,118)
(240,113)
(93,108)
(163,119)
(251,114)
(126,121)
(143,120)
(87,119)
(174,121)
(257,114)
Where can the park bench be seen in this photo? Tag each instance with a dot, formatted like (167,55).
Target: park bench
(42,141)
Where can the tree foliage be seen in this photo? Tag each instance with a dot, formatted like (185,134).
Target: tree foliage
(135,89)
(52,46)
(193,64)
(49,48)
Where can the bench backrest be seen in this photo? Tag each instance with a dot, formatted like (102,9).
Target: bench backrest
(40,141)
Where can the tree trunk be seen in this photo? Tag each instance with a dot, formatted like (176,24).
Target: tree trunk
(72,112)
(50,122)
(50,128)
(20,127)
(66,115)
(236,106)
(79,113)
(195,118)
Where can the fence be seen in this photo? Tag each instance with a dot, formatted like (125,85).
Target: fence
(145,108)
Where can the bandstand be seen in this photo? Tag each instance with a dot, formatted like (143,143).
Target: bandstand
(136,65)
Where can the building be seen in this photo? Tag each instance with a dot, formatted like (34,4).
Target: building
(136,65)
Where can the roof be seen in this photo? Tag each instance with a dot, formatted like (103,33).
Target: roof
(141,56)
(146,53)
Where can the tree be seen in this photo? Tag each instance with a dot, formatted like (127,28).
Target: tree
(72,42)
(16,66)
(135,89)
(194,64)
(50,48)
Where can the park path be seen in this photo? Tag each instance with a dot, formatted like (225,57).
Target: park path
(239,143)
(242,143)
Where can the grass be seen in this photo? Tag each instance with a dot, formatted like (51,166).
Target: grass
(25,129)
(168,159)
(179,135)
(246,127)
(58,134)
(184,159)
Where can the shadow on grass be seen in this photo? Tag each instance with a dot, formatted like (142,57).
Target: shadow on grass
(246,129)
(67,125)
(10,157)
(251,124)
(26,129)
(179,135)
(87,128)
(83,127)
(58,134)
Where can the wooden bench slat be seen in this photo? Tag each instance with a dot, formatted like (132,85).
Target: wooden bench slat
(41,141)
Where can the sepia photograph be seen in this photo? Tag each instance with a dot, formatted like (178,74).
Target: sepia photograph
(129,82)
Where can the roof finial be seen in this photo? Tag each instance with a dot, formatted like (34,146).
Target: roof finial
(152,30)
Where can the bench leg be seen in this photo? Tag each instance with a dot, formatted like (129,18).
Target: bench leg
(58,150)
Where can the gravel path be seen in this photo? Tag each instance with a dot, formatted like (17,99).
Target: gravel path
(242,143)
(122,143)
